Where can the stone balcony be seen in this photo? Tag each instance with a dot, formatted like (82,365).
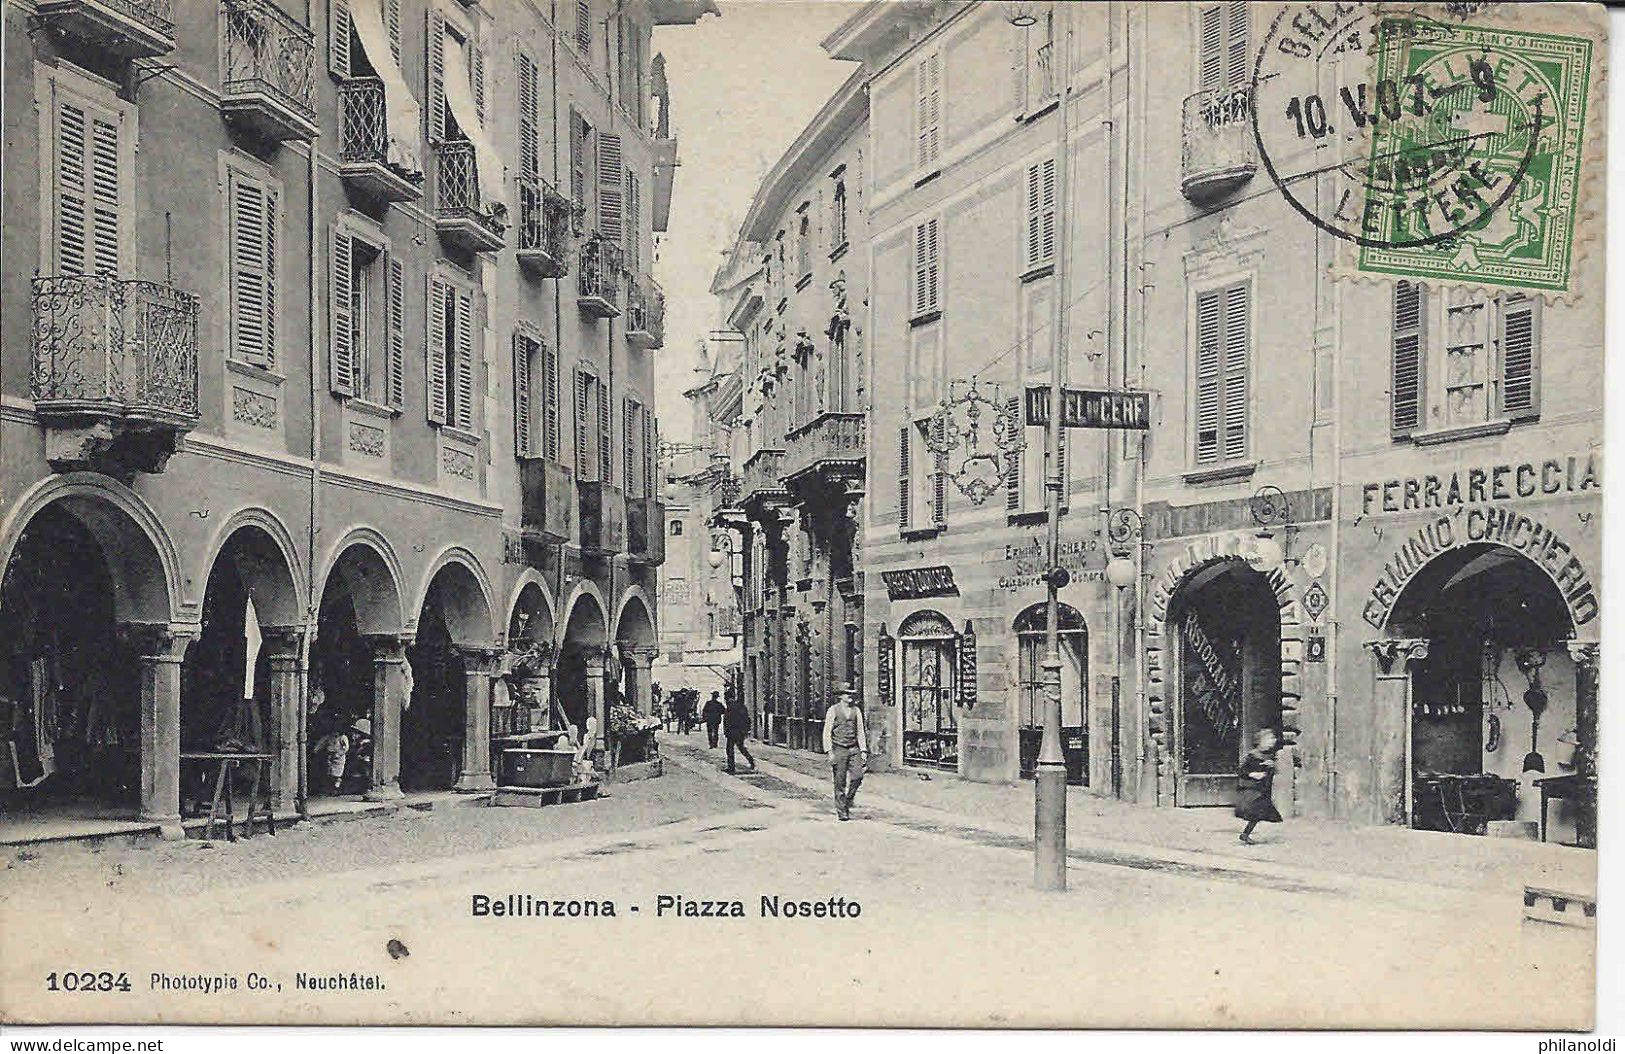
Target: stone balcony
(268,85)
(548,499)
(460,216)
(364,144)
(114,371)
(826,451)
(1218,154)
(129,29)
(603,518)
(761,483)
(544,229)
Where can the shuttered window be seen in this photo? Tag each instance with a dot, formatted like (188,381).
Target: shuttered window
(903,467)
(338,37)
(939,476)
(651,453)
(1222,60)
(1409,387)
(1222,342)
(550,402)
(928,109)
(631,435)
(586,408)
(606,463)
(461,413)
(1520,357)
(583,27)
(1040,234)
(925,267)
(341,313)
(395,363)
(435,64)
(530,142)
(524,349)
(440,312)
(476,79)
(89,188)
(634,207)
(392,21)
(611,178)
(254,213)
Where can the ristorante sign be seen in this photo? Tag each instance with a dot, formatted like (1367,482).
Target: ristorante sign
(1491,523)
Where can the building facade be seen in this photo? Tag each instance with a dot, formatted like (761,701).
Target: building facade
(794,291)
(1364,515)
(332,381)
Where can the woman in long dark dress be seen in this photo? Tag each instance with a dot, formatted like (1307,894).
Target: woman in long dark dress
(1255,782)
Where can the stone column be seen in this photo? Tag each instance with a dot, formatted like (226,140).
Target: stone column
(639,662)
(284,649)
(481,665)
(597,700)
(389,698)
(161,650)
(1391,721)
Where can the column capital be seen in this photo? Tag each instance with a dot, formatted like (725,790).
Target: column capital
(1395,654)
(160,642)
(483,658)
(1585,653)
(283,641)
(388,647)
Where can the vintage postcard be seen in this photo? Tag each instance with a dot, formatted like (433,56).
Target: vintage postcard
(774,512)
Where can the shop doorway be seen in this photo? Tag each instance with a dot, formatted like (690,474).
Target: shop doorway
(1227,679)
(1494,706)
(930,686)
(1074,642)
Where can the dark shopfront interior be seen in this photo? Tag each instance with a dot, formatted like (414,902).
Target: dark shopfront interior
(1494,706)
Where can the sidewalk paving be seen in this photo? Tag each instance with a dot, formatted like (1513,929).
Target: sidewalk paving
(1115,831)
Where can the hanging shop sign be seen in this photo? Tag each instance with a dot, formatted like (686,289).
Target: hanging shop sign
(1475,486)
(1315,601)
(967,667)
(885,672)
(1314,647)
(1092,408)
(918,583)
(1496,524)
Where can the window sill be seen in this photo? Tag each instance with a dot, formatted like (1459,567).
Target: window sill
(1451,435)
(1027,519)
(460,435)
(1232,473)
(1049,103)
(928,177)
(1043,270)
(258,373)
(926,317)
(838,252)
(370,408)
(922,534)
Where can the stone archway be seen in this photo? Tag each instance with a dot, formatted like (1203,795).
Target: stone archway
(522,699)
(445,732)
(636,642)
(91,587)
(1159,665)
(584,658)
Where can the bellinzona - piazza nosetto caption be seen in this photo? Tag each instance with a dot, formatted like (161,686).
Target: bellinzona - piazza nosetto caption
(667,905)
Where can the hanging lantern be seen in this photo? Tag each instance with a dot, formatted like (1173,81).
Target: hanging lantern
(714,558)
(1022,14)
(1120,572)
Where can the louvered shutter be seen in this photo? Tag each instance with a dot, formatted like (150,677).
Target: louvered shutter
(1015,463)
(629,429)
(903,466)
(465,361)
(584,27)
(1040,213)
(606,464)
(651,453)
(521,395)
(476,79)
(253,239)
(72,191)
(939,479)
(392,15)
(436,65)
(550,402)
(633,192)
(1019,52)
(273,214)
(1210,45)
(931,265)
(529,119)
(338,37)
(341,284)
(1520,357)
(1209,378)
(105,172)
(1236,340)
(583,408)
(1409,359)
(1235,45)
(1060,471)
(435,351)
(611,176)
(578,159)
(929,108)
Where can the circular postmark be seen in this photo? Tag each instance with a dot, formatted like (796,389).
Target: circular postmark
(1393,128)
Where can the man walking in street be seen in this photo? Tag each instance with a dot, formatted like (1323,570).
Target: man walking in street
(846,742)
(735,727)
(713,718)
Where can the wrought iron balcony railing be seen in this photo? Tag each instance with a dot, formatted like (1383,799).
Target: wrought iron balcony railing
(364,143)
(1218,153)
(544,228)
(460,214)
(645,314)
(599,278)
(269,79)
(127,28)
(113,359)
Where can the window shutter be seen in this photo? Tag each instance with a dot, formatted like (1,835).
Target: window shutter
(1410,349)
(584,458)
(1020,49)
(273,213)
(1520,357)
(584,27)
(476,79)
(578,159)
(338,37)
(939,480)
(1040,213)
(611,176)
(925,267)
(629,429)
(632,207)
(72,193)
(903,466)
(1235,371)
(529,119)
(928,83)
(1066,482)
(341,356)
(606,465)
(435,357)
(931,265)
(392,15)
(465,361)
(1014,460)
(395,363)
(1208,376)
(651,452)
(550,402)
(521,395)
(1210,45)
(1236,45)
(436,65)
(252,232)
(103,179)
